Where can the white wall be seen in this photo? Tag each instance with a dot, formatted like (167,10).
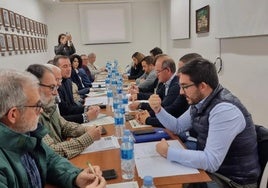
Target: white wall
(245,61)
(35,10)
(146,26)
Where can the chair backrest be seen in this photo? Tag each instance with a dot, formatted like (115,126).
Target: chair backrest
(264,178)
(262,139)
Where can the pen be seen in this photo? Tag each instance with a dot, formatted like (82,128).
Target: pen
(91,168)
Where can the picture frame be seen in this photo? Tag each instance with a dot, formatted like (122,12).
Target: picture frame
(202,20)
(30,44)
(1,17)
(33,43)
(5,15)
(9,42)
(25,42)
(3,46)
(31,25)
(22,23)
(27,23)
(12,19)
(21,43)
(17,19)
(15,42)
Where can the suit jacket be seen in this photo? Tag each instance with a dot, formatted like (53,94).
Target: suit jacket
(68,108)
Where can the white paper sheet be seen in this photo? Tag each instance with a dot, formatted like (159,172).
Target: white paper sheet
(149,162)
(131,184)
(95,100)
(102,119)
(105,143)
(96,93)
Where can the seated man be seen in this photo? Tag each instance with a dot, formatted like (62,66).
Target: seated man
(226,136)
(145,83)
(59,128)
(68,108)
(26,161)
(94,70)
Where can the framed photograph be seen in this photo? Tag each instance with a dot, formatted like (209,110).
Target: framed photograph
(38,27)
(25,42)
(17,18)
(30,43)
(34,43)
(202,20)
(40,43)
(9,42)
(3,46)
(15,42)
(21,43)
(5,15)
(35,26)
(12,19)
(27,23)
(22,23)
(31,26)
(1,17)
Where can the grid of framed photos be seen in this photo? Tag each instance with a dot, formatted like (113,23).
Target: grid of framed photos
(21,34)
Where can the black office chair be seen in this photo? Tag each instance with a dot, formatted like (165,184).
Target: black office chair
(262,139)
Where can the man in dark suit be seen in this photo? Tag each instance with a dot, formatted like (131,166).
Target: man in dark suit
(168,87)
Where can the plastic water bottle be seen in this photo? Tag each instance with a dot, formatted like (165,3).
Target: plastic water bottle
(118,123)
(131,139)
(148,182)
(110,97)
(127,159)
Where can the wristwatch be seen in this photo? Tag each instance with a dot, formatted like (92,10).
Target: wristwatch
(85,118)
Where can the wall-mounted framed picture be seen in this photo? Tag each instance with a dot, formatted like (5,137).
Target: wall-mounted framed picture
(9,42)
(38,27)
(25,42)
(17,18)
(3,46)
(34,43)
(46,30)
(1,17)
(12,19)
(30,43)
(5,15)
(27,23)
(41,29)
(40,43)
(22,23)
(202,20)
(31,25)
(35,26)
(15,42)
(20,38)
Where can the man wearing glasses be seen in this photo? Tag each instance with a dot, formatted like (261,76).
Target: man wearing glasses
(226,136)
(26,161)
(59,128)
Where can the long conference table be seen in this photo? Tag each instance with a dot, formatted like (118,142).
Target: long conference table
(110,159)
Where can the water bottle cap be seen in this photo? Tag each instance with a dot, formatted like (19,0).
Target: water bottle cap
(127,132)
(148,180)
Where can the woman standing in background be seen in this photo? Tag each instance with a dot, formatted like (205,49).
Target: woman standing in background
(65,45)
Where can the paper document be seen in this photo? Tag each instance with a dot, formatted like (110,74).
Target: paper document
(95,100)
(96,93)
(131,184)
(135,124)
(102,119)
(148,161)
(98,84)
(105,143)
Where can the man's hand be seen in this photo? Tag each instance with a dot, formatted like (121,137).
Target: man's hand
(88,179)
(162,147)
(93,112)
(155,103)
(134,106)
(133,97)
(133,89)
(94,132)
(142,116)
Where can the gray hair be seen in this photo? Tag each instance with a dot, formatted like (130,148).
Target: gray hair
(12,84)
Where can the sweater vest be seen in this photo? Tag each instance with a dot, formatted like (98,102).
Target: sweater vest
(241,161)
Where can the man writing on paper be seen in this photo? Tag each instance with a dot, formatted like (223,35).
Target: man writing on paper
(226,136)
(59,128)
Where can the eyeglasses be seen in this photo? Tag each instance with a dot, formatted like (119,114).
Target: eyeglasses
(38,106)
(157,72)
(51,87)
(184,87)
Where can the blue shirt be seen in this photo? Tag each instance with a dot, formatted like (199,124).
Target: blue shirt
(225,122)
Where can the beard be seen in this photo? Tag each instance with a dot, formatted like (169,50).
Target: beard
(47,102)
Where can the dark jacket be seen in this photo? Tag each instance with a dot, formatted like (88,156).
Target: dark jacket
(68,108)
(136,72)
(53,168)
(241,162)
(64,49)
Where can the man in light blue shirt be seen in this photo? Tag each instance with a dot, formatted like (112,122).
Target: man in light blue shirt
(226,137)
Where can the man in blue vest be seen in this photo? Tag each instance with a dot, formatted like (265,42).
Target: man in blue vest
(226,137)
